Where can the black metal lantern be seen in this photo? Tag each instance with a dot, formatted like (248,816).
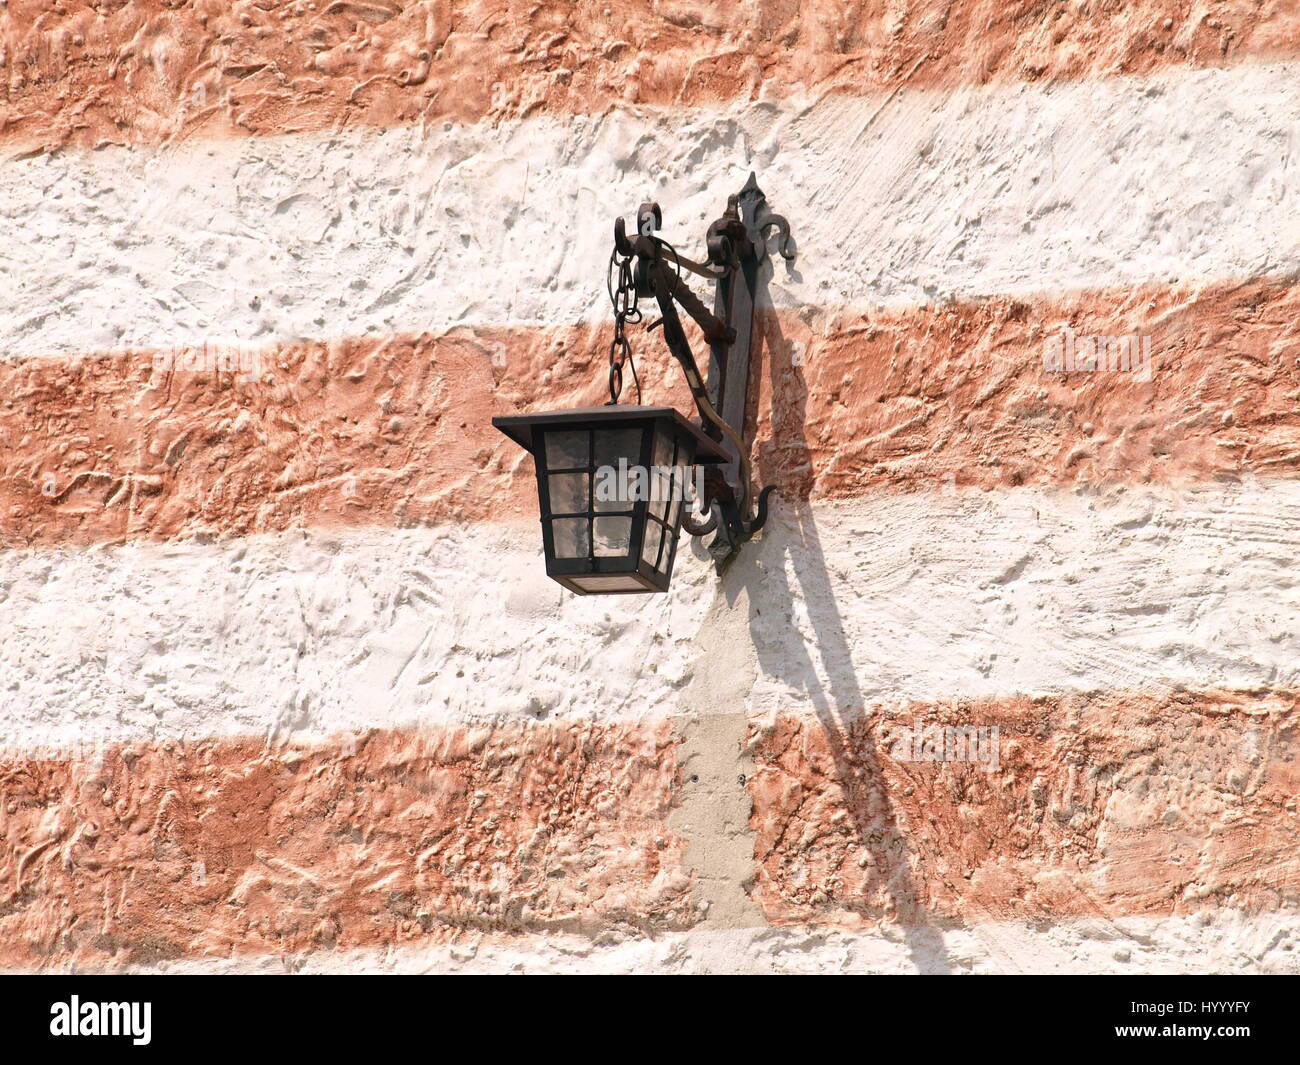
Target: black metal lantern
(612,484)
(612,480)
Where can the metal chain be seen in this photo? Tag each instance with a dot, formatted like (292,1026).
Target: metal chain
(623,296)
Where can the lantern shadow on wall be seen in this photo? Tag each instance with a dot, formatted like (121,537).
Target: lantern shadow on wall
(794,578)
(616,484)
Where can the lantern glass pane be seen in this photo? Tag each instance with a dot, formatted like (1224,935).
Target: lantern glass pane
(571,537)
(653,538)
(613,444)
(610,493)
(661,489)
(675,510)
(568,450)
(568,493)
(613,536)
(663,448)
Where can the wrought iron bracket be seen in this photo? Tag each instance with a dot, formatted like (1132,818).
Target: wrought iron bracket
(736,249)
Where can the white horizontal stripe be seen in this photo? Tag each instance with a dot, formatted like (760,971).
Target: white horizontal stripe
(912,197)
(906,598)
(1226,941)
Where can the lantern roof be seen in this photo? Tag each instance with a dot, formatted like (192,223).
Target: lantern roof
(519,427)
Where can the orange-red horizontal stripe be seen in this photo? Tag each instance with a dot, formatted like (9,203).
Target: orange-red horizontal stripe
(145,71)
(1104,806)
(211,848)
(396,430)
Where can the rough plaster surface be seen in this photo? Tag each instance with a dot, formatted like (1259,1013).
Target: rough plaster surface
(1099,796)
(910,597)
(136,70)
(1103,808)
(712,816)
(1222,942)
(906,198)
(282,685)
(713,812)
(397,429)
(150,853)
(1100,806)
(302,635)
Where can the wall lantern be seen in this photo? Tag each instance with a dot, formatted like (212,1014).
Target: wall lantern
(622,539)
(616,483)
